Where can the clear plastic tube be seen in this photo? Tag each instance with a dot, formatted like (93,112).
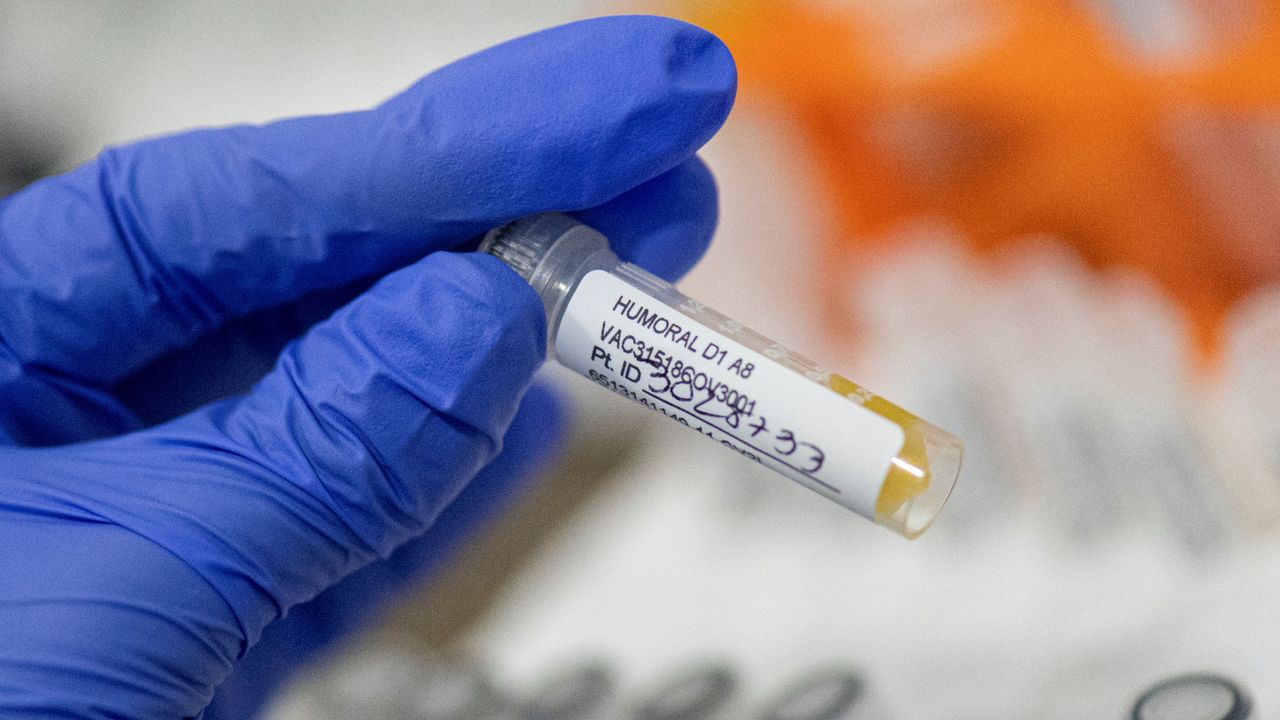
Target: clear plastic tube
(635,334)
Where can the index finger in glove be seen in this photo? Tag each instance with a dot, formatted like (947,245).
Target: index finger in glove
(163,240)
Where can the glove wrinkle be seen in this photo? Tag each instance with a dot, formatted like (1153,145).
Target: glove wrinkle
(160,287)
(39,407)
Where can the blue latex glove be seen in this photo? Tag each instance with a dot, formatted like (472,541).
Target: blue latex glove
(139,564)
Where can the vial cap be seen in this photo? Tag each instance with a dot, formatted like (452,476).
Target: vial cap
(691,696)
(523,243)
(830,695)
(453,692)
(1193,697)
(576,694)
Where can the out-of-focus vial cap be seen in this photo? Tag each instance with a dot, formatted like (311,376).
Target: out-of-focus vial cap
(581,692)
(1193,697)
(374,685)
(454,691)
(826,695)
(701,693)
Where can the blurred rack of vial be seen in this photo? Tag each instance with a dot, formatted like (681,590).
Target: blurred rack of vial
(374,684)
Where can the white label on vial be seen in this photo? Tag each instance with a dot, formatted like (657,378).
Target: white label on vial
(641,348)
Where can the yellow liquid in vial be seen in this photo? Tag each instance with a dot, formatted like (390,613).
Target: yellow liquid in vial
(908,475)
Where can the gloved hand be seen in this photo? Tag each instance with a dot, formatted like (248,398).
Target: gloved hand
(139,564)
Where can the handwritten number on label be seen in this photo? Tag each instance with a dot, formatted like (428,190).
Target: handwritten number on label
(816,458)
(788,443)
(659,374)
(681,389)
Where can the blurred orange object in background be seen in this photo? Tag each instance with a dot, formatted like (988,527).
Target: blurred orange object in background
(1146,133)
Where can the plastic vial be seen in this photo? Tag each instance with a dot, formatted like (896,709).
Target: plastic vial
(638,336)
